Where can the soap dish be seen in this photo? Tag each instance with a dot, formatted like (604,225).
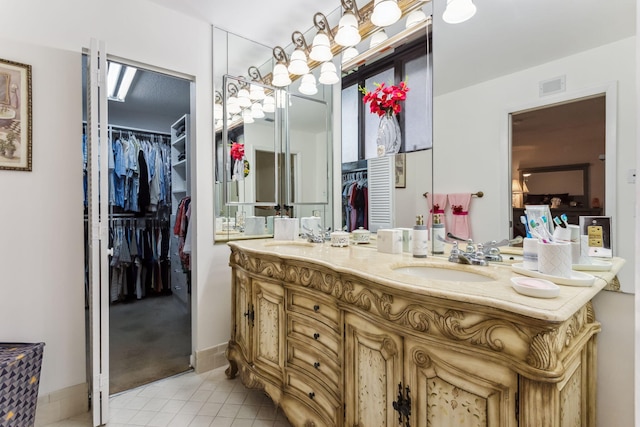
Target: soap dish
(534,287)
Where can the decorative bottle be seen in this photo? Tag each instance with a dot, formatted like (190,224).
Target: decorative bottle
(420,240)
(437,234)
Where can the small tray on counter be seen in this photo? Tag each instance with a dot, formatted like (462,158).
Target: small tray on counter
(534,287)
(577,278)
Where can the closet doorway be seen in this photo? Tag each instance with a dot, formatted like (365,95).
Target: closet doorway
(149,128)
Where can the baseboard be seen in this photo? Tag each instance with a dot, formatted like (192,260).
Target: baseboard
(211,358)
(62,404)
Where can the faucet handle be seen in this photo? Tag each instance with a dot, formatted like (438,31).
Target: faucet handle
(470,247)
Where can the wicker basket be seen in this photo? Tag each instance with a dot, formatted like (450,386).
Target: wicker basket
(19,379)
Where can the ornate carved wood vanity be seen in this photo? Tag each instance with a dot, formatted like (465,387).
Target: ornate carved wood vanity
(335,339)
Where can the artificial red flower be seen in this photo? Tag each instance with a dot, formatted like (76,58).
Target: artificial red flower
(237,151)
(385,99)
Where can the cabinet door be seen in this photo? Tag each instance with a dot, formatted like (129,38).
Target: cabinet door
(243,312)
(449,388)
(373,370)
(269,329)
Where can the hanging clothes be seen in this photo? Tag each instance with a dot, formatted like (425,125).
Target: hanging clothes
(355,200)
(180,229)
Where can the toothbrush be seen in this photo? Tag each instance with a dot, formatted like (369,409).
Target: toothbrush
(546,227)
(523,220)
(564,219)
(539,236)
(559,223)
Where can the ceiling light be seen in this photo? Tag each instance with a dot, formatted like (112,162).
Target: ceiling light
(385,13)
(246,116)
(256,92)
(112,78)
(349,54)
(377,38)
(125,83)
(458,11)
(308,85)
(328,74)
(243,98)
(415,17)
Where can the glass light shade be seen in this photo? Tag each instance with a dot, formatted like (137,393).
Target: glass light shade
(233,105)
(269,104)
(243,98)
(217,111)
(458,11)
(415,17)
(328,74)
(246,116)
(280,75)
(348,34)
(256,92)
(308,85)
(298,64)
(385,13)
(235,118)
(321,50)
(377,38)
(349,53)
(256,111)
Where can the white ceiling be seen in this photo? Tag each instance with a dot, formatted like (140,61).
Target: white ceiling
(503,37)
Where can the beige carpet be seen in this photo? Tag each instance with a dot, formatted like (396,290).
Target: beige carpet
(150,339)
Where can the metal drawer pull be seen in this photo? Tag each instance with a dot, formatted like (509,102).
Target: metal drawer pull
(312,395)
(316,307)
(316,336)
(316,365)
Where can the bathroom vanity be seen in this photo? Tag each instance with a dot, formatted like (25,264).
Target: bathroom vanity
(352,337)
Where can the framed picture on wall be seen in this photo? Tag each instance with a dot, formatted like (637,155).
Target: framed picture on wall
(400,168)
(15,116)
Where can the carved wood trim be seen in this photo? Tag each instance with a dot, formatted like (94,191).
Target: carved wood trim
(545,342)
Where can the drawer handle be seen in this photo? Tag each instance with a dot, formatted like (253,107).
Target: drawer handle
(316,336)
(316,365)
(312,395)
(316,308)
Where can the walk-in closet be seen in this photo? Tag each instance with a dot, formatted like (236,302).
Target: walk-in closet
(149,138)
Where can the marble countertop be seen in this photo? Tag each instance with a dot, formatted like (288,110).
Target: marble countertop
(366,262)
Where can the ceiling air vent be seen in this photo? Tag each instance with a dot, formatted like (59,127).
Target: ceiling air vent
(551,86)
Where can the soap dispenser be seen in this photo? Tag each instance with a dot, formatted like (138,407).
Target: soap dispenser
(437,234)
(420,240)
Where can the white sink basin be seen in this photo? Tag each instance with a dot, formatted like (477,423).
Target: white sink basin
(437,273)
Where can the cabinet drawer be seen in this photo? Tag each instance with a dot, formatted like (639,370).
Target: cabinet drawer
(324,367)
(313,395)
(315,334)
(313,306)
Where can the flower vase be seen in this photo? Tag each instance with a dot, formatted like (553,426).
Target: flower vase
(238,170)
(389,137)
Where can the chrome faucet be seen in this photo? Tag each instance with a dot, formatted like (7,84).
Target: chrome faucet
(473,255)
(481,253)
(313,237)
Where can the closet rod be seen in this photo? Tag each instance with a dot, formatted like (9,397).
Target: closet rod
(478,194)
(125,128)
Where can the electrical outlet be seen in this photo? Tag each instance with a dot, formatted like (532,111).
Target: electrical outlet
(631,176)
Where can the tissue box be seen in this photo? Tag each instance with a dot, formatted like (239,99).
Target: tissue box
(254,225)
(285,228)
(390,241)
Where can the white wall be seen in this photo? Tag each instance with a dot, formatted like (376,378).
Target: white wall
(42,287)
(483,163)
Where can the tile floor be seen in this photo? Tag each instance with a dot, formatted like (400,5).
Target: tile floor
(189,400)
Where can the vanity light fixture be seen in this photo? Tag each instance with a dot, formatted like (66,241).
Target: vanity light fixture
(246,116)
(377,38)
(349,53)
(415,17)
(321,46)
(280,73)
(348,33)
(385,13)
(233,105)
(256,92)
(257,111)
(308,85)
(298,64)
(328,74)
(243,96)
(458,11)
(269,104)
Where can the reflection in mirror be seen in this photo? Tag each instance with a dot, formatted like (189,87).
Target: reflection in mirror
(514,48)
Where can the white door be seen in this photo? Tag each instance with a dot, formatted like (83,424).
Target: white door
(98,211)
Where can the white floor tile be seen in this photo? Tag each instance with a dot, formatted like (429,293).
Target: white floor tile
(201,421)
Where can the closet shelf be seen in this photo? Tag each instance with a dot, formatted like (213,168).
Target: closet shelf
(179,191)
(179,143)
(180,166)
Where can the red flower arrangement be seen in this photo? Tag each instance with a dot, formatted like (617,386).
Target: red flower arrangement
(237,151)
(385,99)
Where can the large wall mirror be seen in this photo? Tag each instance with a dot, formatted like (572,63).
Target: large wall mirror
(273,147)
(527,56)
